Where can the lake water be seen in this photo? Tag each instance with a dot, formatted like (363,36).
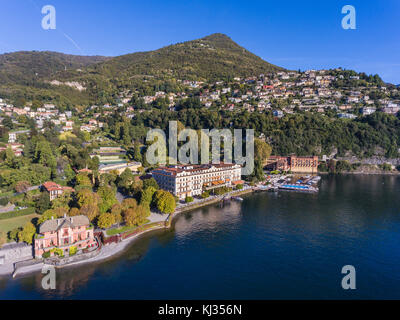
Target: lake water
(270,246)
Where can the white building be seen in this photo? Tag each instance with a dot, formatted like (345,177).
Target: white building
(367,110)
(191,180)
(347,116)
(391,108)
(12,135)
(278,113)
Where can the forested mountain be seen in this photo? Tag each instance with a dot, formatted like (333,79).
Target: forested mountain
(28,67)
(215,57)
(27,75)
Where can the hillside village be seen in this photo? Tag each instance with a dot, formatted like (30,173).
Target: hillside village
(347,93)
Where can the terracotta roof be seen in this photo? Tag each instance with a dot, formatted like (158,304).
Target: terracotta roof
(173,170)
(237,182)
(52,186)
(68,189)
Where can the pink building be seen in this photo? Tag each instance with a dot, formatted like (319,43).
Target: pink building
(64,233)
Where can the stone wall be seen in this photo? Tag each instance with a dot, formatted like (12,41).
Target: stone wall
(56,261)
(14,252)
(372,160)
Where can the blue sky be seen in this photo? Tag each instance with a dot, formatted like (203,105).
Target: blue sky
(293,34)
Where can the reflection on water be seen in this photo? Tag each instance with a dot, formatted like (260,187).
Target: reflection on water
(270,246)
(209,219)
(72,279)
(67,282)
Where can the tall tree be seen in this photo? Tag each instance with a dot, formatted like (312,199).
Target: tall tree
(27,233)
(164,201)
(107,198)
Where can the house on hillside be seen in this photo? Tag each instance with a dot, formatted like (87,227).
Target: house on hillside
(55,190)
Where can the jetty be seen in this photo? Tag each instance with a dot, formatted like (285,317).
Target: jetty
(277,183)
(298,187)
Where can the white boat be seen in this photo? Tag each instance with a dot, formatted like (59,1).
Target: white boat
(237,198)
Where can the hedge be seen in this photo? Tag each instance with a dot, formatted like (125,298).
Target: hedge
(221,190)
(7,194)
(72,250)
(4,201)
(205,194)
(16,213)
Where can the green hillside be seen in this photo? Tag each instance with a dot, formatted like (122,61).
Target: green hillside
(28,67)
(211,58)
(215,57)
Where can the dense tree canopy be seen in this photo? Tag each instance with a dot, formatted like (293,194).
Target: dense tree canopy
(303,133)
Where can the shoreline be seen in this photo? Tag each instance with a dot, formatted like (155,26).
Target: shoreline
(362,173)
(112,250)
(107,251)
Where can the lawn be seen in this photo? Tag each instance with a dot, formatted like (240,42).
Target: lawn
(114,231)
(12,223)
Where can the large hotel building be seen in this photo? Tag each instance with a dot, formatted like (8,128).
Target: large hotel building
(293,163)
(191,180)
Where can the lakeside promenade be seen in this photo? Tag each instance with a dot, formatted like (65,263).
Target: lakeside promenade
(111,245)
(107,251)
(273,231)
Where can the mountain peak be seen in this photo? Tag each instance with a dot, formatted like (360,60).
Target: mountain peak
(221,41)
(217,37)
(211,58)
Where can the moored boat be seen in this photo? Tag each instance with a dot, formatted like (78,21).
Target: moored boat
(237,198)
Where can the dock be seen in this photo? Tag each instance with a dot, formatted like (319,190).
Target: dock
(298,187)
(288,183)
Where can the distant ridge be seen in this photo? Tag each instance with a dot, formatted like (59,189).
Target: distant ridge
(214,57)
(24,66)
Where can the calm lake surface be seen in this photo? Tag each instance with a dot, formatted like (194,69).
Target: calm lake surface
(270,246)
